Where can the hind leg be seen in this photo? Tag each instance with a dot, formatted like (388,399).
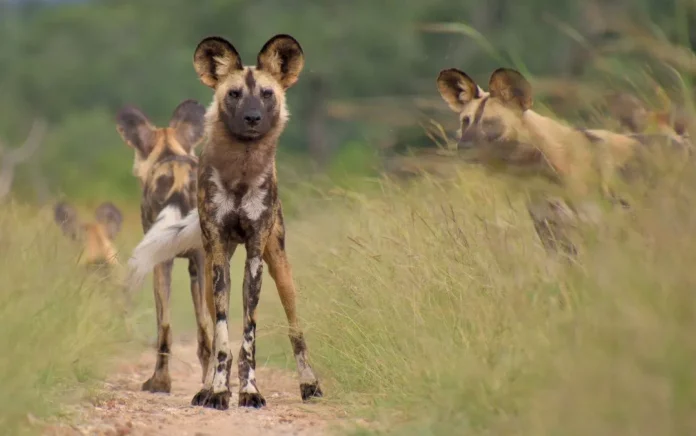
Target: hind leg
(160,380)
(281,272)
(203,321)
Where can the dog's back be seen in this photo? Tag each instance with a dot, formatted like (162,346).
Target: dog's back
(165,162)
(170,191)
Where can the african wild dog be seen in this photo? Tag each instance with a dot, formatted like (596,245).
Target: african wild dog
(96,237)
(499,128)
(635,118)
(238,204)
(166,167)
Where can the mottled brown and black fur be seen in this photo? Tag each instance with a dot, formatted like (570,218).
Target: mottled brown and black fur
(166,166)
(501,130)
(97,237)
(238,204)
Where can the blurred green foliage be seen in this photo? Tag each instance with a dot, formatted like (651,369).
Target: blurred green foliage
(76,63)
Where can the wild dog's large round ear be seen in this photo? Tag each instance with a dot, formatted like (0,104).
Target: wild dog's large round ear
(188,123)
(66,217)
(457,88)
(283,58)
(215,58)
(628,110)
(108,215)
(135,129)
(511,87)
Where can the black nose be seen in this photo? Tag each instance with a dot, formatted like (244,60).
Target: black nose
(252,117)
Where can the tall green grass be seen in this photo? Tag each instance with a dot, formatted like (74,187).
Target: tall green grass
(59,324)
(434,309)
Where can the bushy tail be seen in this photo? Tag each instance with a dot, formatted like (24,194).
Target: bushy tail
(168,237)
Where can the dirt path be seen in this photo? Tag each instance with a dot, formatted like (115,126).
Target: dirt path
(122,409)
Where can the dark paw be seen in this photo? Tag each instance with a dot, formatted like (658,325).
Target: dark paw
(158,384)
(251,400)
(310,390)
(207,398)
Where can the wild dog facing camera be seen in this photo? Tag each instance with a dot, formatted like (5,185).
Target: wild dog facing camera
(250,101)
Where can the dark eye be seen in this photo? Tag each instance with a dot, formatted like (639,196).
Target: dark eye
(266,93)
(234,93)
(465,122)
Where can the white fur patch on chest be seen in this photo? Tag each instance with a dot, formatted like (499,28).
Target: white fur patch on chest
(224,202)
(251,204)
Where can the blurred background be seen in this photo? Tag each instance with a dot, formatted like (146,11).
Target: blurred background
(367,91)
(390,274)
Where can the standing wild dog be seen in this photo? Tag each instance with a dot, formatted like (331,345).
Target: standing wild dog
(502,130)
(238,204)
(166,166)
(97,237)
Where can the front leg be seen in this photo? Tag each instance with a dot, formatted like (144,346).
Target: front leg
(249,395)
(216,387)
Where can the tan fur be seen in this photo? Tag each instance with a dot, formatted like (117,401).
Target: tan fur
(96,237)
(98,246)
(166,166)
(635,117)
(238,203)
(628,110)
(164,139)
(501,127)
(567,154)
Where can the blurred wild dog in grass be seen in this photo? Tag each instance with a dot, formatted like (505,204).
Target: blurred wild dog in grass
(166,167)
(238,204)
(499,129)
(641,122)
(97,237)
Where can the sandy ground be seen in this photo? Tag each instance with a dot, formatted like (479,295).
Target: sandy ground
(121,408)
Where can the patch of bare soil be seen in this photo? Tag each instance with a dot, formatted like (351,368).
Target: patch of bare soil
(123,409)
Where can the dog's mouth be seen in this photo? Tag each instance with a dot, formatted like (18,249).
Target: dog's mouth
(242,131)
(245,134)
(250,134)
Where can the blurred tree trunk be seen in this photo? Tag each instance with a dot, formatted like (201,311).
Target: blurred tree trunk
(12,157)
(38,181)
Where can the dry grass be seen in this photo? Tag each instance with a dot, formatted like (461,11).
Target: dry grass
(434,308)
(58,324)
(430,307)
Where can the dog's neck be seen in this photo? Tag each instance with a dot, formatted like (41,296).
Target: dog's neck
(238,161)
